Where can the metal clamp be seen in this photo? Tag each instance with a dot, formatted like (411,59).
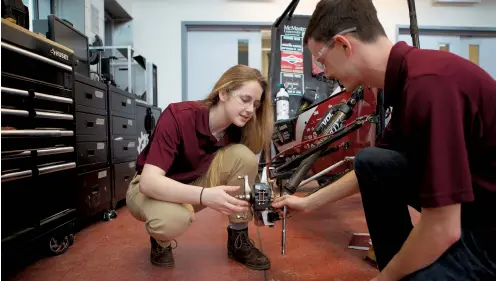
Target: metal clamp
(247,191)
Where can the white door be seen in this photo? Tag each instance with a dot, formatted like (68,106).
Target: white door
(481,52)
(211,53)
(433,42)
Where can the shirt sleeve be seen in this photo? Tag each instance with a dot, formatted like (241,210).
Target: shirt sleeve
(165,142)
(433,129)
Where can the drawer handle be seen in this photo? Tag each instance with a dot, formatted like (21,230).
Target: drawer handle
(57,116)
(124,126)
(91,152)
(52,98)
(124,104)
(89,124)
(16,92)
(16,175)
(89,96)
(126,178)
(37,133)
(124,148)
(95,189)
(55,168)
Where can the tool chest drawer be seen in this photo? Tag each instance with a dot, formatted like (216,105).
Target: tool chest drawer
(123,174)
(90,96)
(19,197)
(94,190)
(123,126)
(124,148)
(27,64)
(91,152)
(122,103)
(91,124)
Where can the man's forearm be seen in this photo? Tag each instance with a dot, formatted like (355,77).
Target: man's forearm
(425,244)
(342,188)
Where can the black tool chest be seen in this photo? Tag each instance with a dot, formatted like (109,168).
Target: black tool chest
(69,143)
(38,141)
(123,141)
(92,146)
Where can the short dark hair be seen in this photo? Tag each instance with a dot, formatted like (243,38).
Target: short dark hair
(333,16)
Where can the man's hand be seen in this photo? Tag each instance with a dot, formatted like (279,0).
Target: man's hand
(294,203)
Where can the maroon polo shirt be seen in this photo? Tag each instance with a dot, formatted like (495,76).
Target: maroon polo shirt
(182,144)
(444,121)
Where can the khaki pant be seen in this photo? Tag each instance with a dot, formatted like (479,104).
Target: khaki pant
(165,221)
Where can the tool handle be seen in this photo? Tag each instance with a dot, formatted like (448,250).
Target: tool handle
(283,246)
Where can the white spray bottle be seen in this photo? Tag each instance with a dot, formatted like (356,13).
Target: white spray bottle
(282,103)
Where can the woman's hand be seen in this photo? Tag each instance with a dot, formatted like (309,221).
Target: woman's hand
(218,199)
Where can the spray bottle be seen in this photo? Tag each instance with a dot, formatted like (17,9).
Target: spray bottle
(282,103)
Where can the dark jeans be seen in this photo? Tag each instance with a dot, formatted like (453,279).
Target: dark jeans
(387,190)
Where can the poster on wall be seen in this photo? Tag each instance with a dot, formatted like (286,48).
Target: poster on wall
(292,62)
(292,38)
(293,82)
(291,43)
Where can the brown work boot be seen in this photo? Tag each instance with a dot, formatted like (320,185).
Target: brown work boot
(240,248)
(161,256)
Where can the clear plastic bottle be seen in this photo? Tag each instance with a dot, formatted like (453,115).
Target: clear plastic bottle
(282,103)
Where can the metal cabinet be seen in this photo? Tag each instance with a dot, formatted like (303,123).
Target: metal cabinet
(38,142)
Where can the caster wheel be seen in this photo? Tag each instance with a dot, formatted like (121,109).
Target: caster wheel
(106,216)
(58,245)
(72,237)
(113,214)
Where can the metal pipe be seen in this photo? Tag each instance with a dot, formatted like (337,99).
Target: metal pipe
(289,9)
(414,31)
(326,170)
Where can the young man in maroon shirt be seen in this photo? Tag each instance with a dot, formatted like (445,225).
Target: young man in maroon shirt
(437,155)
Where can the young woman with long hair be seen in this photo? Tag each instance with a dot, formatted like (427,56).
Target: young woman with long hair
(194,158)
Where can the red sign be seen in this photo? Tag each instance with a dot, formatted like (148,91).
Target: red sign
(291,61)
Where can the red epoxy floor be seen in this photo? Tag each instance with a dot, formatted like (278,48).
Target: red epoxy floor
(119,250)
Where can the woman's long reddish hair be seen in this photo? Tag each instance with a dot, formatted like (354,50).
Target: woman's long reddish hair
(257,133)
